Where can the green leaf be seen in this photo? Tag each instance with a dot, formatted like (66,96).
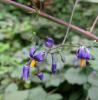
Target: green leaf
(3,47)
(39,94)
(11,88)
(35,94)
(53,80)
(74,76)
(93,80)
(54,97)
(94,63)
(19,95)
(93,93)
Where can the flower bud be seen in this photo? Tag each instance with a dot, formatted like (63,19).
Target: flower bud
(49,42)
(40,75)
(25,72)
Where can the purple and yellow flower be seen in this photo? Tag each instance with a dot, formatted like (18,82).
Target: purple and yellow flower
(83,54)
(35,58)
(54,65)
(25,72)
(49,42)
(40,75)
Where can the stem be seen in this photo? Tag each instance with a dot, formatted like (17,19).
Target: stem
(73,10)
(54,19)
(94,23)
(71,45)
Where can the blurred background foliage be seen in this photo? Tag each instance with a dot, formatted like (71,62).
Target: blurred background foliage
(20,30)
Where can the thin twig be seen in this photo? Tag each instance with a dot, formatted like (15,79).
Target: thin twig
(94,23)
(70,21)
(68,45)
(49,17)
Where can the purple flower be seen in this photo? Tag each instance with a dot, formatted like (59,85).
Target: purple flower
(39,56)
(40,75)
(32,51)
(49,42)
(94,73)
(25,72)
(53,68)
(83,54)
(54,65)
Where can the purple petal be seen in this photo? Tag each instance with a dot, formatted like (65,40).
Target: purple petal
(49,42)
(25,72)
(83,52)
(40,56)
(32,51)
(40,75)
(80,52)
(54,67)
(87,54)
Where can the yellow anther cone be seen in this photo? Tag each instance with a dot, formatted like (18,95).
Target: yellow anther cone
(82,62)
(33,63)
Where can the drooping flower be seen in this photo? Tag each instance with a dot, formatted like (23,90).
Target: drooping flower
(53,68)
(49,42)
(35,58)
(25,72)
(54,65)
(39,56)
(40,75)
(83,54)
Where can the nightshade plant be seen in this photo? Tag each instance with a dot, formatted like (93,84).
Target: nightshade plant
(35,59)
(82,53)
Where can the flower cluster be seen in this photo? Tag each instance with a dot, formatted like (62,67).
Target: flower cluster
(35,58)
(82,53)
(49,42)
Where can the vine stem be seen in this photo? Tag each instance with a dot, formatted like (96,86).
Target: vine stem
(49,17)
(94,23)
(70,21)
